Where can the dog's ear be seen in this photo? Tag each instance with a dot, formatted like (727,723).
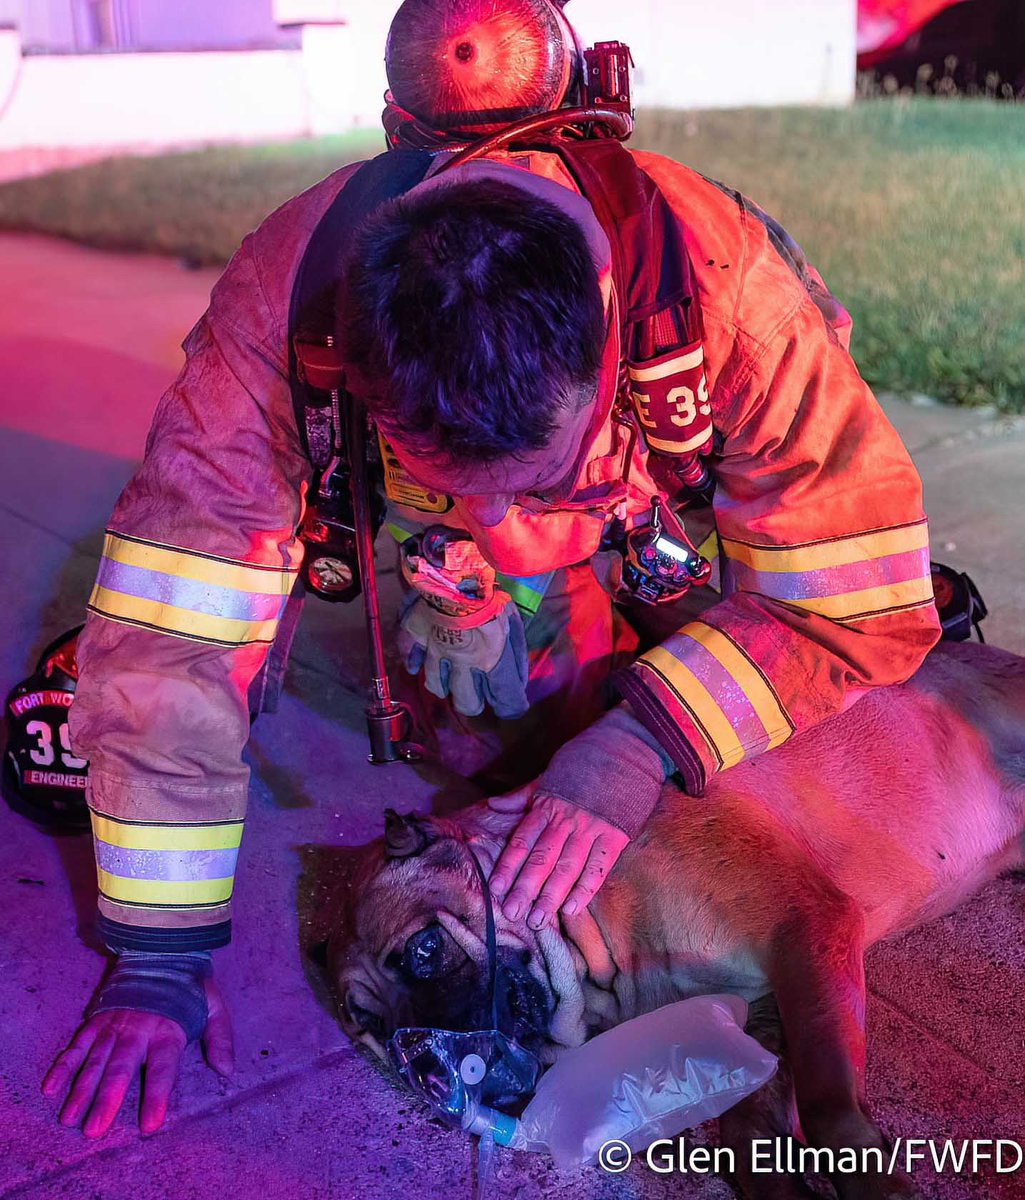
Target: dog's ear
(406,834)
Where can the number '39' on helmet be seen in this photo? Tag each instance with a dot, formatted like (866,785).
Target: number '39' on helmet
(42,778)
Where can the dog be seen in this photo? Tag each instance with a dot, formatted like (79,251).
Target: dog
(771,886)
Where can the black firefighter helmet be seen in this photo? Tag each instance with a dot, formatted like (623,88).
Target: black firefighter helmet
(42,778)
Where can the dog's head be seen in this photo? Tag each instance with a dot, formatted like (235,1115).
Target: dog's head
(410,948)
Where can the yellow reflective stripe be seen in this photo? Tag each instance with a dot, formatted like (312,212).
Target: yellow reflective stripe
(695,696)
(187,564)
(693,443)
(167,837)
(836,553)
(158,891)
(762,698)
(398,533)
(184,622)
(869,601)
(709,548)
(682,362)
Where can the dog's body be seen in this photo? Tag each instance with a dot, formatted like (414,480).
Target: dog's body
(771,885)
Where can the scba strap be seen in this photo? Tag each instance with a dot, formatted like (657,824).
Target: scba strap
(316,369)
(324,413)
(662,335)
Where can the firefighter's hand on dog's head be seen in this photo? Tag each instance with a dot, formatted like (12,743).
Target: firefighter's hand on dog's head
(556,858)
(108,1051)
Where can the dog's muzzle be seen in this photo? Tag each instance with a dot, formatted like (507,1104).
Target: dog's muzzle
(461,1074)
(523,1007)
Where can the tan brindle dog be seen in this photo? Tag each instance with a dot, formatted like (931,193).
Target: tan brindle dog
(771,885)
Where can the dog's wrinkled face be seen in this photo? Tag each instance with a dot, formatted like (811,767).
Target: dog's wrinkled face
(411,949)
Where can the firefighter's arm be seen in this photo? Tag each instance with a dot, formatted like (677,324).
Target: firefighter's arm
(199,559)
(826,572)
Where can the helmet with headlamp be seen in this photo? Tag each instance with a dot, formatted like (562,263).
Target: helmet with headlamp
(461,70)
(475,66)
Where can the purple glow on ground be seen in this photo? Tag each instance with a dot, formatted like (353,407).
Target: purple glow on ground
(87,343)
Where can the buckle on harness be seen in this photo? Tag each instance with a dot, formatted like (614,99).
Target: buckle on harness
(319,366)
(328,532)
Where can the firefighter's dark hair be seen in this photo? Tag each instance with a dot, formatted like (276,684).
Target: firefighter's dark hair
(470,314)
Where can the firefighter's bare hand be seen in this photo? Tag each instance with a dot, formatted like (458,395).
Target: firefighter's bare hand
(109,1051)
(556,858)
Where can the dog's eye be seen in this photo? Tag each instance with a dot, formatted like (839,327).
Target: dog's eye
(424,952)
(429,954)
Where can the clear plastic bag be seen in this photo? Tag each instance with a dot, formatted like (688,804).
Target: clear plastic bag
(648,1078)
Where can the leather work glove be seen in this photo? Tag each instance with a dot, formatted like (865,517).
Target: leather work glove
(474,663)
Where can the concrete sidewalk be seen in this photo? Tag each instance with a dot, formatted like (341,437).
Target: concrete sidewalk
(87,343)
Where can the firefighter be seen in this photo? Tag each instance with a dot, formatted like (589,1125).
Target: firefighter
(551,539)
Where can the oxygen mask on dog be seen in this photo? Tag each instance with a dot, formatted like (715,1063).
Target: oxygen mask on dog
(459,1074)
(464,1076)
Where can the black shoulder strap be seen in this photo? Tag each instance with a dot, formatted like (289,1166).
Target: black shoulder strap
(311,314)
(662,329)
(643,232)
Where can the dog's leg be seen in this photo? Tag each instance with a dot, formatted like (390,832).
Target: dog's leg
(768,1117)
(819,979)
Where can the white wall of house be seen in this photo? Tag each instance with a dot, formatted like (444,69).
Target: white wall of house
(689,53)
(729,53)
(154,100)
(203,24)
(64,26)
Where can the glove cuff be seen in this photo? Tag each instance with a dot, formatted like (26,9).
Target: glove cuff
(614,769)
(494,608)
(170,985)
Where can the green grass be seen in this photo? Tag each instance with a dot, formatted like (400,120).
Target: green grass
(914,212)
(197,205)
(912,209)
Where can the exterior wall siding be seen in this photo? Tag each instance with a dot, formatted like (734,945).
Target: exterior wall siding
(689,54)
(693,54)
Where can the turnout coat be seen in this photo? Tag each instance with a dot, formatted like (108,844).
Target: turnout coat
(817,513)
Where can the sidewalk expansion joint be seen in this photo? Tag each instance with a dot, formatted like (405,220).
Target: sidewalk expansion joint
(932,1034)
(132,1138)
(38,525)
